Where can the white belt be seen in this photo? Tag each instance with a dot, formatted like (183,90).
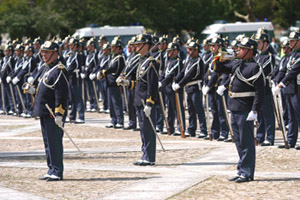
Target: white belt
(241,94)
(193,83)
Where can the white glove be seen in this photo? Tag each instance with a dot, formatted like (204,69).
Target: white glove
(30,80)
(252,116)
(82,75)
(159,84)
(276,90)
(92,76)
(205,89)
(99,75)
(28,88)
(175,86)
(124,82)
(119,80)
(0,81)
(147,110)
(221,90)
(15,80)
(8,79)
(58,121)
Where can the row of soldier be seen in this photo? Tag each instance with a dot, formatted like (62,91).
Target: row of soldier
(154,72)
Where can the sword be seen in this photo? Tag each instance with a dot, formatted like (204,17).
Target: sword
(96,95)
(52,114)
(13,96)
(2,98)
(21,99)
(280,109)
(227,117)
(125,98)
(208,117)
(164,111)
(82,93)
(153,128)
(179,115)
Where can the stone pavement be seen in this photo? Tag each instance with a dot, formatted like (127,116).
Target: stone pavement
(164,184)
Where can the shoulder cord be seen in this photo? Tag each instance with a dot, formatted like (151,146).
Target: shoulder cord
(56,81)
(168,71)
(189,68)
(239,75)
(289,66)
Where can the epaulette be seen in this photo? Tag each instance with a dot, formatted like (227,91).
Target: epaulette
(158,60)
(151,58)
(178,59)
(61,66)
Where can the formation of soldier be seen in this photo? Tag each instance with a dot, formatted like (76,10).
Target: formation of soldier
(211,79)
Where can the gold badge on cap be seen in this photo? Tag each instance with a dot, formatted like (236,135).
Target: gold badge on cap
(47,44)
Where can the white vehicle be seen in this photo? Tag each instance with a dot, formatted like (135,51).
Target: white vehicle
(234,29)
(125,32)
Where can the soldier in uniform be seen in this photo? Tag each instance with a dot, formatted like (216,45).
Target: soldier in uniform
(7,67)
(287,78)
(146,87)
(73,68)
(52,89)
(129,73)
(37,45)
(266,117)
(173,67)
(102,82)
(19,52)
(90,63)
(246,98)
(103,63)
(219,128)
(116,65)
(2,89)
(28,67)
(191,77)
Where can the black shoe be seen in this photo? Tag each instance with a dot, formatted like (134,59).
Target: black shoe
(143,163)
(234,178)
(110,125)
(201,135)
(297,147)
(282,146)
(45,177)
(266,143)
(118,126)
(228,140)
(136,129)
(129,127)
(54,178)
(206,137)
(242,179)
(221,138)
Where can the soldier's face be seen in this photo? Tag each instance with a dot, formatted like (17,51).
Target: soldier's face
(49,56)
(172,53)
(214,48)
(142,49)
(18,53)
(293,43)
(206,47)
(243,53)
(106,51)
(36,46)
(261,45)
(29,53)
(7,52)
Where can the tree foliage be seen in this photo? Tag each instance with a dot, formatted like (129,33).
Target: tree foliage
(48,18)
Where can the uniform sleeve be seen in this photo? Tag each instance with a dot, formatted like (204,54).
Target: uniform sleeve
(61,94)
(292,74)
(259,93)
(152,85)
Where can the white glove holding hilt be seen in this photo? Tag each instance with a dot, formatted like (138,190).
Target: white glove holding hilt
(175,86)
(147,111)
(221,90)
(124,82)
(205,89)
(30,80)
(58,121)
(28,88)
(252,116)
(92,76)
(15,80)
(82,75)
(8,79)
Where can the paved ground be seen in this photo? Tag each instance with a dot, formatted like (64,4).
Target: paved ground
(190,168)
